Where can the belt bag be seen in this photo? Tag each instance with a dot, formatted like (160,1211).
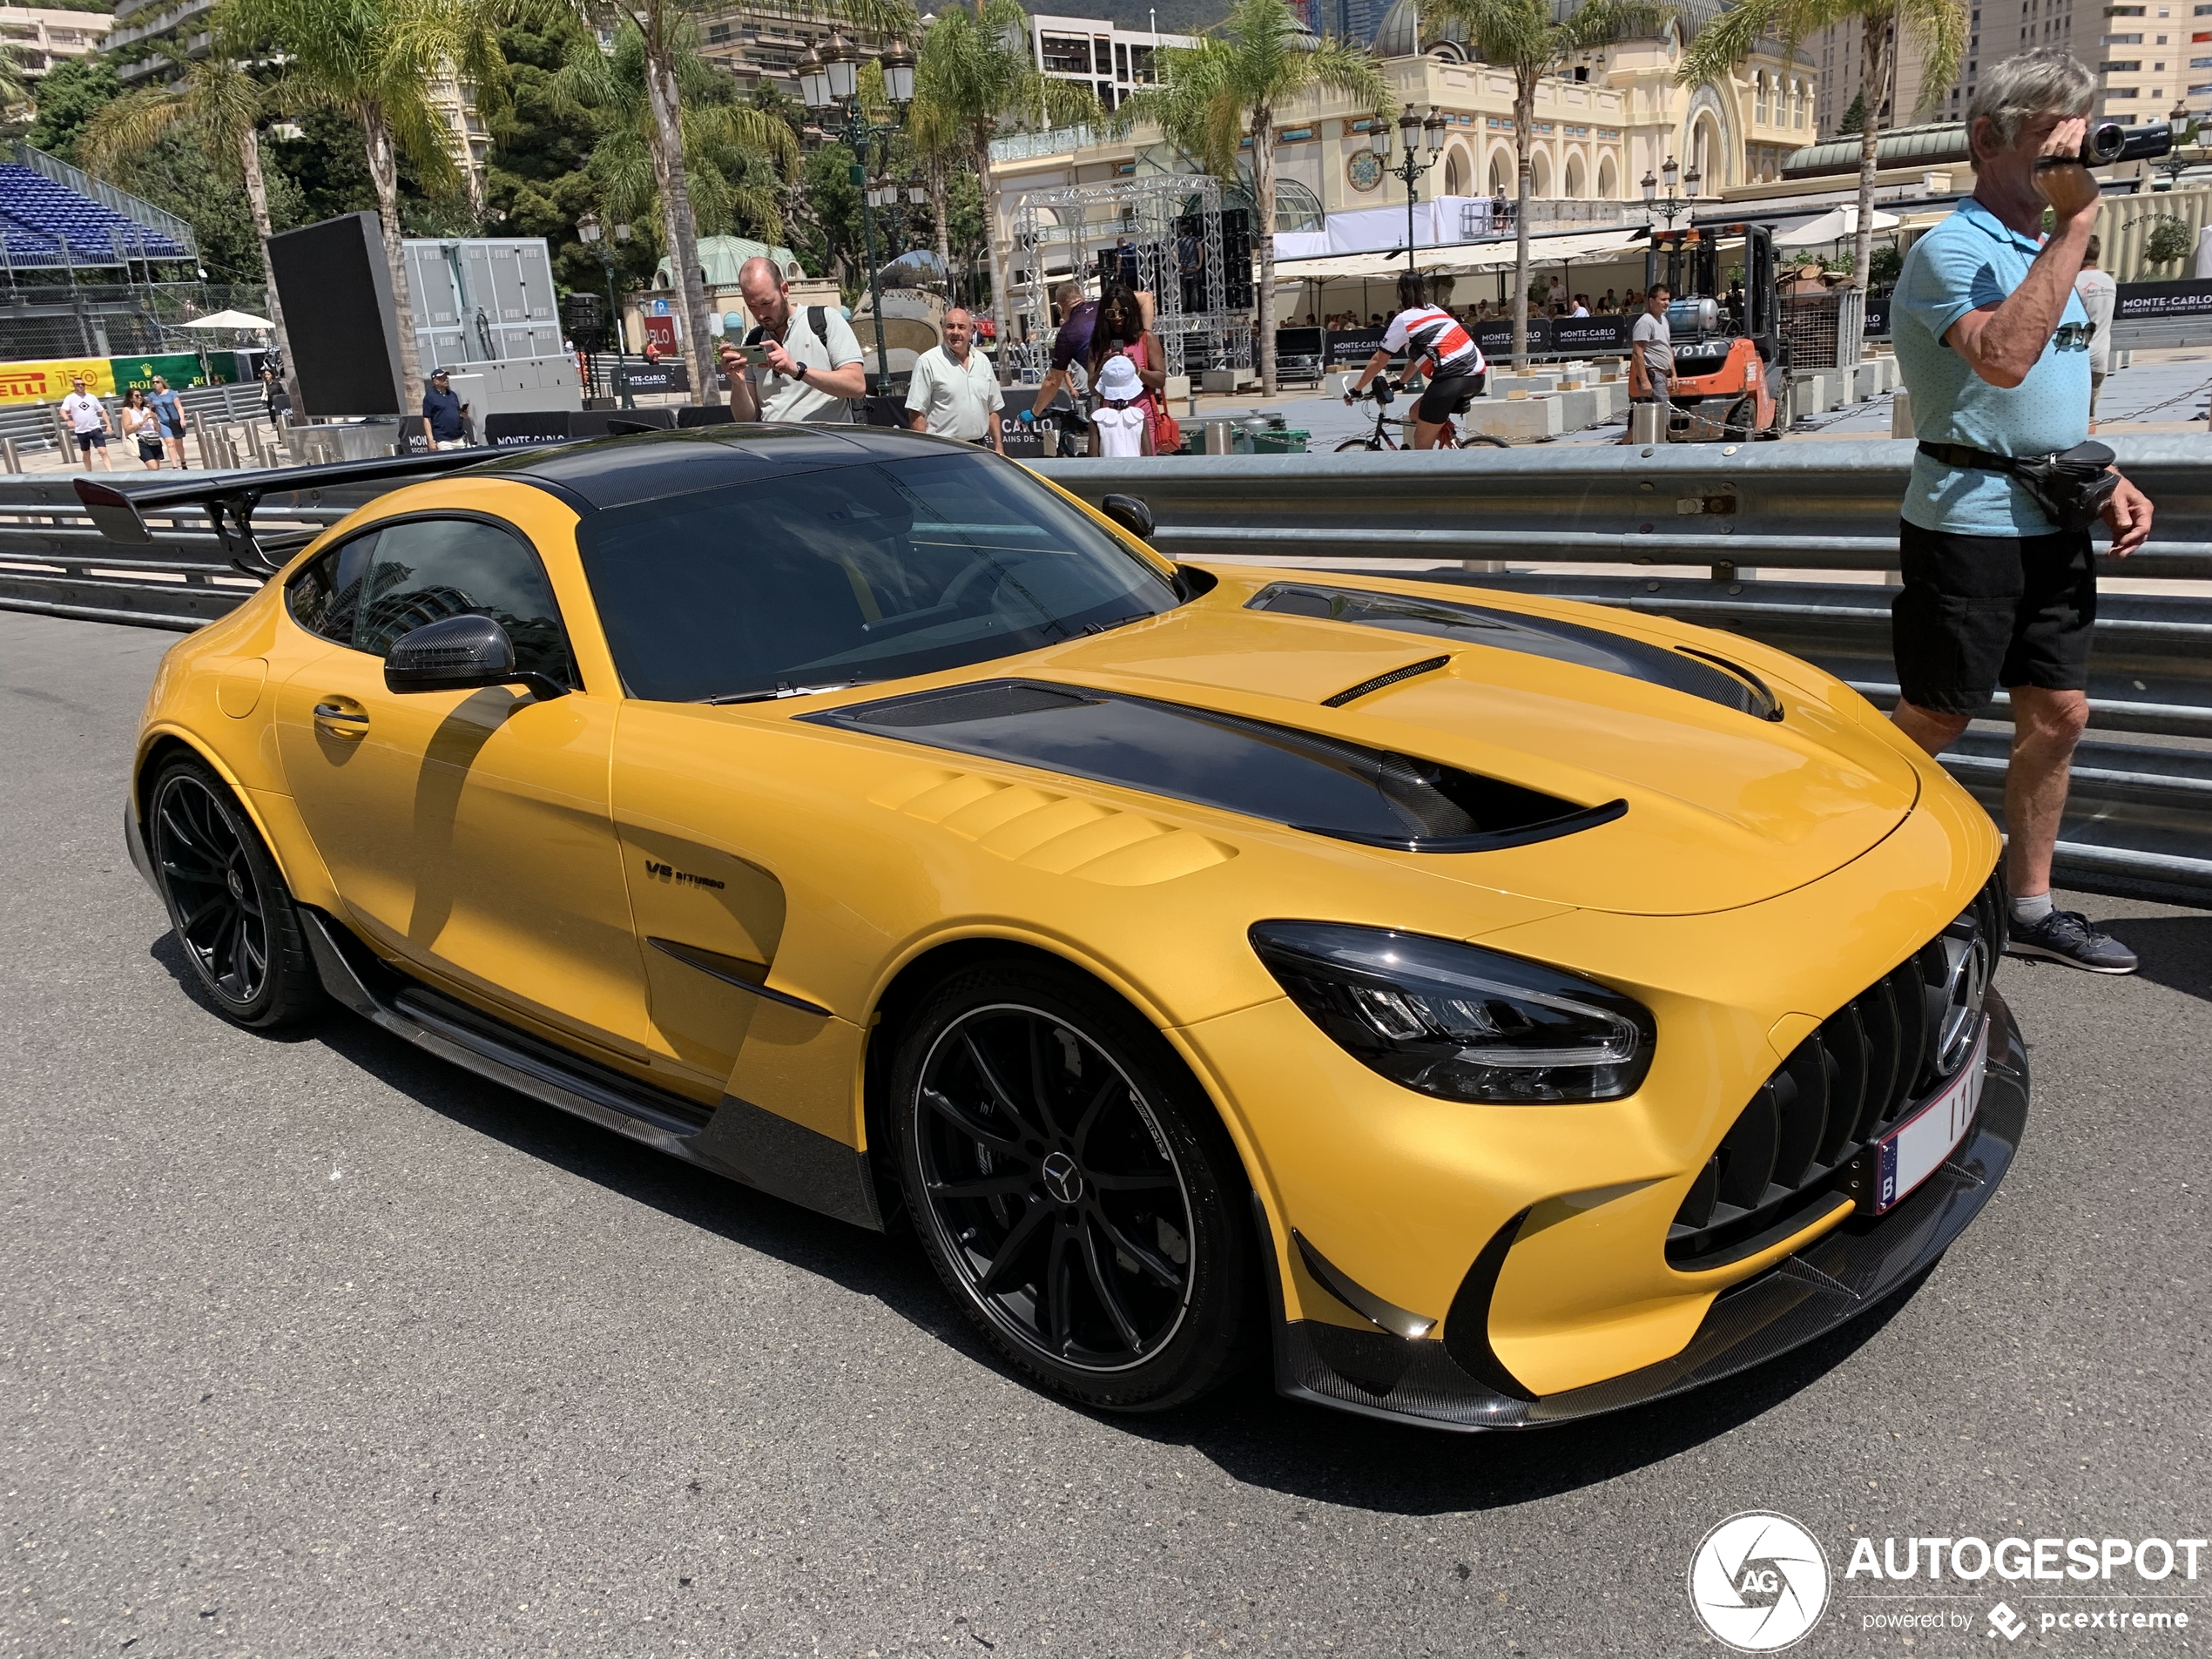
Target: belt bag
(2071,486)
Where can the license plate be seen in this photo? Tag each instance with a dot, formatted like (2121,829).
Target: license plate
(1913,1151)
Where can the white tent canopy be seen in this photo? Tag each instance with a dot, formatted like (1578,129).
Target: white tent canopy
(232,320)
(1464,260)
(1834,225)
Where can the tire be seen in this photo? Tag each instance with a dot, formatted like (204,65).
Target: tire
(1350,444)
(1482,439)
(1073,1187)
(228,906)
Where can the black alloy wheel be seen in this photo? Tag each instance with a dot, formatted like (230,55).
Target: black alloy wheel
(1073,1187)
(227,904)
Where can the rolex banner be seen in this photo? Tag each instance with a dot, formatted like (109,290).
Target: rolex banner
(47,380)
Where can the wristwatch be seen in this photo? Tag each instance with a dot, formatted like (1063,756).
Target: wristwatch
(798,371)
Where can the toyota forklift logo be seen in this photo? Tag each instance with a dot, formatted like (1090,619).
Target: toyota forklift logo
(1759,1582)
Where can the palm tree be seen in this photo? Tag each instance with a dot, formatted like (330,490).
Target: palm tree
(721,139)
(1937,28)
(937,140)
(1533,40)
(220,107)
(371,61)
(1250,66)
(14,88)
(974,75)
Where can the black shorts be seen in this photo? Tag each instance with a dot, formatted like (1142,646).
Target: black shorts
(1447,396)
(88,442)
(1982,611)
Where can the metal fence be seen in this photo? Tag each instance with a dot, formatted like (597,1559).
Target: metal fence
(35,429)
(1685,530)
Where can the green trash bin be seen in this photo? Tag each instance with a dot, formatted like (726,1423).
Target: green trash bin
(1292,441)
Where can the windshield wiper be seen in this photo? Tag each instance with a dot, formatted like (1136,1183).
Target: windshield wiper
(786,689)
(1119,621)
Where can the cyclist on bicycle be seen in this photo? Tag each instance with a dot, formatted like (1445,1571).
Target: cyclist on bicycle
(1428,334)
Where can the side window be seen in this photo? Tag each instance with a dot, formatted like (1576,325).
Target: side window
(427,569)
(325,594)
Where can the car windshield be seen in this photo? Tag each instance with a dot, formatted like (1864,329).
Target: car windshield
(852,574)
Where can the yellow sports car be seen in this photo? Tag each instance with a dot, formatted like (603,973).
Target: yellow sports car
(1515,1009)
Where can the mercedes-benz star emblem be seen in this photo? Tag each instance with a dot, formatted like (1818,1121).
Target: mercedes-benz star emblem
(1965,983)
(1062,1179)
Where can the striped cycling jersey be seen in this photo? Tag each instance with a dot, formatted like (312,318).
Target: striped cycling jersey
(1433,333)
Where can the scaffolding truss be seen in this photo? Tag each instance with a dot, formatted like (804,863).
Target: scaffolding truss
(1170,225)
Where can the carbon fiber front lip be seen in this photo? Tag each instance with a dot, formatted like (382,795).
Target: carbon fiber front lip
(1828,1284)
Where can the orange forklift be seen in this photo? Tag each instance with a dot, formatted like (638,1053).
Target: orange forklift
(1728,341)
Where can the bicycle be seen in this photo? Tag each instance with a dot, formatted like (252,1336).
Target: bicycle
(1447,437)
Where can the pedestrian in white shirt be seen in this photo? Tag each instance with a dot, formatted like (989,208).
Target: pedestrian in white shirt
(88,423)
(955,392)
(1122,424)
(814,367)
(2100,297)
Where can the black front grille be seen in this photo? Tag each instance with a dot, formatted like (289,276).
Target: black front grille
(1790,1151)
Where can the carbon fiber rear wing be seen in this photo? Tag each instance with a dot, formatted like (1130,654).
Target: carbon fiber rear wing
(231,498)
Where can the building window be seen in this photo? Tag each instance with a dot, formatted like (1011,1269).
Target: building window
(1064,54)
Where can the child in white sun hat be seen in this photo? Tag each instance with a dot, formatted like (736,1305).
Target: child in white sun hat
(1122,424)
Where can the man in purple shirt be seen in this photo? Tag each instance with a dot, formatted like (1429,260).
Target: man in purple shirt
(1078,316)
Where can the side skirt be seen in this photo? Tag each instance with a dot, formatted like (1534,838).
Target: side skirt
(738,1139)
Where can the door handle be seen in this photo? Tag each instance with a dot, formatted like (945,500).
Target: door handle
(341,721)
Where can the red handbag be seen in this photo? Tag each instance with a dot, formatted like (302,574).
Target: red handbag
(1166,437)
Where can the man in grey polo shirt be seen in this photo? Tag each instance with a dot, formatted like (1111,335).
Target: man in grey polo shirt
(1993,344)
(955,392)
(810,374)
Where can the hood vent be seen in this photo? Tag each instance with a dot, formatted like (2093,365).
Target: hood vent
(1697,673)
(1324,785)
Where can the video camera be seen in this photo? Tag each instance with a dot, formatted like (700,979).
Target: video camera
(2107,142)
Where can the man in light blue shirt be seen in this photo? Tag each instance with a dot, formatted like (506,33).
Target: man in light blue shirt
(1993,344)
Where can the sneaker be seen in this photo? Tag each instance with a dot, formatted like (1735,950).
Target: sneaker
(2067,936)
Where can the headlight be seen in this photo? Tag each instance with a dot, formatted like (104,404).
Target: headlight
(1452,1020)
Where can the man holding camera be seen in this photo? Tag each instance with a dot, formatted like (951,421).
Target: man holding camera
(1994,543)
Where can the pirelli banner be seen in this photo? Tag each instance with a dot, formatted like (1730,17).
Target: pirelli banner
(47,380)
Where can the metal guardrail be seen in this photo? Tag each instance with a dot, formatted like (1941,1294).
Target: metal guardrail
(37,426)
(1683,527)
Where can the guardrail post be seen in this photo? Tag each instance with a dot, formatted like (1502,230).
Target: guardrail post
(1901,414)
(15,457)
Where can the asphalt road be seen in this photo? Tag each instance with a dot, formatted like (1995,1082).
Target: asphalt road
(319,1347)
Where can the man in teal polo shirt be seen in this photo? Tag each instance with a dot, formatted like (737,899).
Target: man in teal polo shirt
(1993,345)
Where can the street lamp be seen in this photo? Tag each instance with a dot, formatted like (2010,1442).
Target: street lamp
(2174,163)
(1674,204)
(1415,134)
(829,83)
(587,227)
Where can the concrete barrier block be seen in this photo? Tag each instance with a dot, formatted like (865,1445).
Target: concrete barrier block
(1516,422)
(1577,409)
(1532,384)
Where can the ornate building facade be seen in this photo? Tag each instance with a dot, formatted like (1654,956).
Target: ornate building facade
(1599,129)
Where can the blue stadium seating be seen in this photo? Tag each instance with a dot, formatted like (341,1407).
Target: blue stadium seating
(39,220)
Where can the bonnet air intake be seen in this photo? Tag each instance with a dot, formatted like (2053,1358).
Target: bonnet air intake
(1696,673)
(1321,785)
